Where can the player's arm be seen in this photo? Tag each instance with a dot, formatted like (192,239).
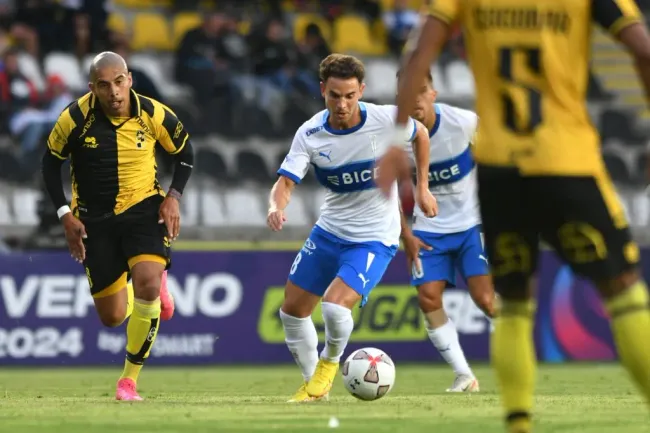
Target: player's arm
(423,47)
(174,138)
(59,145)
(293,169)
(422,153)
(57,152)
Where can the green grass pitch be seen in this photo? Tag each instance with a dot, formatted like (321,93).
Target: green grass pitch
(570,398)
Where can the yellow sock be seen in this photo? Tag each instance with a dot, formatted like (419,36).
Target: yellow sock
(141,332)
(630,321)
(513,358)
(129,301)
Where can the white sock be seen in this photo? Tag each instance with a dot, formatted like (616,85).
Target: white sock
(338,328)
(445,339)
(302,340)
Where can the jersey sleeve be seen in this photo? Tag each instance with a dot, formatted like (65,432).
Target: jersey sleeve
(447,11)
(170,132)
(615,15)
(58,142)
(296,163)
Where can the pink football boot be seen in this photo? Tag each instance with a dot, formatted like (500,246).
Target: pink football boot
(126,390)
(166,300)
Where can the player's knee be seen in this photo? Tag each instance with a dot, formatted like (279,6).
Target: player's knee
(611,287)
(112,318)
(340,293)
(429,298)
(146,281)
(298,302)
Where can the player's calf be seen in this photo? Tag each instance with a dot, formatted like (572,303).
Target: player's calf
(482,292)
(443,335)
(627,300)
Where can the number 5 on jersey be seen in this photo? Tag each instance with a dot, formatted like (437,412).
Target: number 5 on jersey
(520,67)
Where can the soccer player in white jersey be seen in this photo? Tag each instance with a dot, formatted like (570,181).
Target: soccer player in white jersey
(453,240)
(358,231)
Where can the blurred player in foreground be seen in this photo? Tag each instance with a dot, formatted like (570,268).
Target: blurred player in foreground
(540,168)
(358,231)
(454,239)
(121,221)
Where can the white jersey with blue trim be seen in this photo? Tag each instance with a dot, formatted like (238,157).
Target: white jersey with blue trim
(343,160)
(452,173)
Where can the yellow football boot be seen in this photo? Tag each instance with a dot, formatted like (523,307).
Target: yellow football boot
(321,382)
(301,396)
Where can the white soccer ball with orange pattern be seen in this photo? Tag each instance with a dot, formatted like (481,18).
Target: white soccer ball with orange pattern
(368,374)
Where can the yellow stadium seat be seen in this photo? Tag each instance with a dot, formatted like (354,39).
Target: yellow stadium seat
(150,31)
(353,35)
(117,23)
(301,22)
(183,22)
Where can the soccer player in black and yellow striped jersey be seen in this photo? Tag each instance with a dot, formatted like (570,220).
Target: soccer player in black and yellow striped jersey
(120,221)
(540,168)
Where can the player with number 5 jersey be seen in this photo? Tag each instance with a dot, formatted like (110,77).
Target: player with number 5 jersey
(358,231)
(541,173)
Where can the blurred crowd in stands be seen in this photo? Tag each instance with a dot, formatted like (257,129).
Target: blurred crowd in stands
(244,67)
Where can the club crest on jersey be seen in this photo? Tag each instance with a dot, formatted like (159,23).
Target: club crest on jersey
(139,138)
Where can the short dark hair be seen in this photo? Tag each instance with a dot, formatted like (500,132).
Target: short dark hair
(429,76)
(341,66)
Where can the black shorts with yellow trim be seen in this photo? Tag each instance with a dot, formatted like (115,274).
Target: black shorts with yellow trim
(117,244)
(581,217)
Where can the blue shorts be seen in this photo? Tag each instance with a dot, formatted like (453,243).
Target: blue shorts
(462,251)
(325,256)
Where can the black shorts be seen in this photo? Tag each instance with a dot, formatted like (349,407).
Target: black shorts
(115,245)
(580,217)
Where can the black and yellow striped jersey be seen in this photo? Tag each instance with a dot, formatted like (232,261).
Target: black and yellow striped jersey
(530,60)
(112,160)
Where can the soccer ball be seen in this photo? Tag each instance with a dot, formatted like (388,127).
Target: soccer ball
(368,374)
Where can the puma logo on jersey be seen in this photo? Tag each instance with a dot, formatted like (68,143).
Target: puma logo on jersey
(363,278)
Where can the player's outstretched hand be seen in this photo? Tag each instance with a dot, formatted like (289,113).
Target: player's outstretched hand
(75,233)
(394,165)
(275,219)
(170,215)
(427,202)
(412,247)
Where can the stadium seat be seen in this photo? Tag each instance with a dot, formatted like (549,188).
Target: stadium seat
(30,68)
(381,79)
(5,217)
(183,22)
(150,32)
(352,34)
(641,167)
(25,204)
(117,22)
(461,80)
(251,166)
(154,66)
(296,211)
(211,164)
(301,21)
(213,211)
(617,168)
(244,208)
(67,67)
